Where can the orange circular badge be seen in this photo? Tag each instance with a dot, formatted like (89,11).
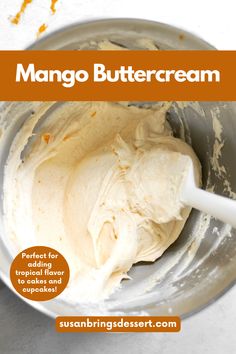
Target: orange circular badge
(39,273)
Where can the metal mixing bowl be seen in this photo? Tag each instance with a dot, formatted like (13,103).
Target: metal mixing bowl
(201,264)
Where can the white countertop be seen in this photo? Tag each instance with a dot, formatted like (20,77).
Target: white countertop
(25,331)
(213,20)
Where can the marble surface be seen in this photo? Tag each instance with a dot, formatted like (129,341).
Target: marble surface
(25,331)
(22,329)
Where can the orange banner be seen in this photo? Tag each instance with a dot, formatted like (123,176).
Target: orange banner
(117,75)
(118,324)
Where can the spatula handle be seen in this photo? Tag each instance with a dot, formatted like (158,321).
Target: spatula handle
(220,207)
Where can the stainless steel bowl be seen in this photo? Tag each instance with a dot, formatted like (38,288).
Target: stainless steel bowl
(201,264)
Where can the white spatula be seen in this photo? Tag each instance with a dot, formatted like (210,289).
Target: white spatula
(221,208)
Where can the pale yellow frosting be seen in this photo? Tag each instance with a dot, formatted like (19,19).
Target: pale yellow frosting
(100,182)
